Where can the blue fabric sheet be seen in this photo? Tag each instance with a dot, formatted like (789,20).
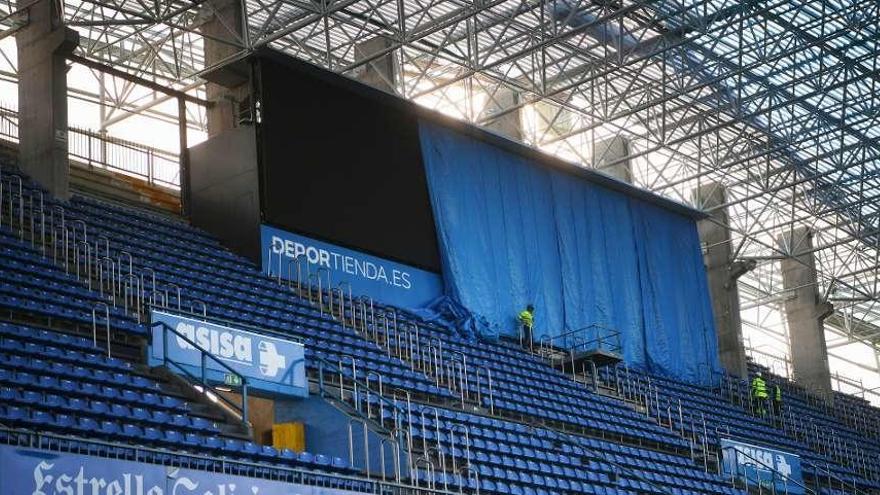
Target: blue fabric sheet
(512,232)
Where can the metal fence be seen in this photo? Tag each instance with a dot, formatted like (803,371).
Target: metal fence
(93,149)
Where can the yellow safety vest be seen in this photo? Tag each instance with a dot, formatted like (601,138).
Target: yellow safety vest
(526,318)
(759,388)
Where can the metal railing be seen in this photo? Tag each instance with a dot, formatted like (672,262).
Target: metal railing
(816,434)
(207,389)
(591,337)
(360,399)
(644,393)
(396,420)
(832,481)
(406,341)
(618,468)
(103,151)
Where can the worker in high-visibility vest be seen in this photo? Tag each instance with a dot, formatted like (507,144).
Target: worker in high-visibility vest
(777,400)
(526,319)
(759,395)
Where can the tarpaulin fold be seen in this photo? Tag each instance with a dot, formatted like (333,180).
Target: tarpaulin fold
(512,232)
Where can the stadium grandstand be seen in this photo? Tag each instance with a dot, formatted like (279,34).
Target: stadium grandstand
(439,247)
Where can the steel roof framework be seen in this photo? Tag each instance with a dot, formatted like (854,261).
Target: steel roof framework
(777,100)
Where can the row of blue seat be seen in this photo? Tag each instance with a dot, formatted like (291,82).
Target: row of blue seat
(168,438)
(242,294)
(250,304)
(725,419)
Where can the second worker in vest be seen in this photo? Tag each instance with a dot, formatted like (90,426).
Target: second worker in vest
(777,400)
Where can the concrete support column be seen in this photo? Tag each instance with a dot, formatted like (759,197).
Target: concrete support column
(722,273)
(610,157)
(805,312)
(43,46)
(228,89)
(381,70)
(502,120)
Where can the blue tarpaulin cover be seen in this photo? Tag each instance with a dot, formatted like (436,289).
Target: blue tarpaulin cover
(512,232)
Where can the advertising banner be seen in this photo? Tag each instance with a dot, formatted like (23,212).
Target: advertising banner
(381,279)
(268,363)
(34,472)
(764,466)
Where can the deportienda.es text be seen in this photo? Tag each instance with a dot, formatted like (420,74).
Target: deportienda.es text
(339,262)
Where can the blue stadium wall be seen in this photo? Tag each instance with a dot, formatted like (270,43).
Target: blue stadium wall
(504,225)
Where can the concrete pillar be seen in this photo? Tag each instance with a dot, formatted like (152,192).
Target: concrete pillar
(381,71)
(43,46)
(722,273)
(500,118)
(805,312)
(610,157)
(227,89)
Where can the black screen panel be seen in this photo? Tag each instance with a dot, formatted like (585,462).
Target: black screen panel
(342,163)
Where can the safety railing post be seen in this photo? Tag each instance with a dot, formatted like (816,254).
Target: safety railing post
(269,253)
(467,444)
(106,323)
(244,401)
(366,444)
(373,374)
(321,389)
(164,346)
(152,273)
(341,366)
(491,396)
(87,262)
(178,292)
(110,272)
(204,368)
(198,302)
(395,452)
(429,472)
(131,286)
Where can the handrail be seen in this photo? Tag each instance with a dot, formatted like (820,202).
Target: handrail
(547,342)
(578,330)
(204,356)
(131,285)
(179,296)
(155,165)
(601,457)
(472,474)
(106,323)
(429,472)
(106,240)
(192,306)
(111,277)
(351,423)
(152,273)
(326,367)
(774,472)
(491,395)
(335,370)
(88,261)
(795,427)
(395,452)
(827,472)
